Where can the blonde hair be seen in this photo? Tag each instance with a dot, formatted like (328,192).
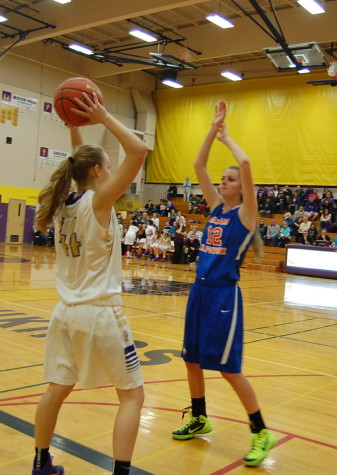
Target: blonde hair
(56,191)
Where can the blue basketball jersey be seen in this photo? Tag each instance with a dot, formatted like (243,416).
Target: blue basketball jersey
(223,246)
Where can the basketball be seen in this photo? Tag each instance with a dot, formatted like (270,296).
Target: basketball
(65,95)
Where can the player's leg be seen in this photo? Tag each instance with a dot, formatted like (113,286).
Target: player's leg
(262,439)
(198,422)
(126,428)
(45,421)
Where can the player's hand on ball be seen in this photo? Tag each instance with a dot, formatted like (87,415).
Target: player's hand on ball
(92,110)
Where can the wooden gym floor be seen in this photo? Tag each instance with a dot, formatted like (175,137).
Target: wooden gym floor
(290,358)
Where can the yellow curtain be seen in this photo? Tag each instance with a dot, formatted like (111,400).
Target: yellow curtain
(288,128)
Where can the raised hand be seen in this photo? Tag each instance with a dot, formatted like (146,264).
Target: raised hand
(94,111)
(220,113)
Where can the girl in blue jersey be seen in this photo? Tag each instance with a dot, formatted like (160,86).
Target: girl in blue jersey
(88,338)
(213,337)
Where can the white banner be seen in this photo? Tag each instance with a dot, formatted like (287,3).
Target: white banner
(23,102)
(50,157)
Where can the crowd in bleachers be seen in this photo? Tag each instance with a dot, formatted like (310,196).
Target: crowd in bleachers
(305,215)
(178,240)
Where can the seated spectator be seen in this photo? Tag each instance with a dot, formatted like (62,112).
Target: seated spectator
(155,220)
(276,190)
(193,204)
(312,234)
(284,235)
(325,204)
(295,203)
(297,223)
(261,228)
(144,218)
(40,238)
(172,192)
(203,206)
(299,190)
(195,230)
(330,197)
(260,201)
(280,204)
(287,191)
(304,226)
(120,218)
(154,245)
(327,193)
(180,216)
(150,207)
(300,210)
(163,245)
(290,221)
(191,249)
(309,191)
(334,242)
(303,239)
(273,231)
(325,220)
(162,208)
(262,189)
(173,216)
(268,208)
(312,208)
(334,218)
(323,237)
(146,246)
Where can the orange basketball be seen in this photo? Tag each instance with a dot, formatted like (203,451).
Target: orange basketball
(65,95)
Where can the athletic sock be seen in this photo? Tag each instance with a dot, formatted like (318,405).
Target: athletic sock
(41,457)
(199,406)
(121,467)
(256,422)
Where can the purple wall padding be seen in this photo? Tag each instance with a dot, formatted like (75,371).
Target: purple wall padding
(28,232)
(3,221)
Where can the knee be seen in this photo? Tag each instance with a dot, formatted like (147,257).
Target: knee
(231,377)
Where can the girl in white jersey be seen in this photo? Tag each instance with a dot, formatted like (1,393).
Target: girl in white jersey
(214,325)
(89,341)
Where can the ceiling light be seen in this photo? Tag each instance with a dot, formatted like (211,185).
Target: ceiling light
(312,6)
(80,48)
(171,83)
(169,78)
(231,76)
(143,36)
(62,1)
(220,21)
(304,70)
(3,18)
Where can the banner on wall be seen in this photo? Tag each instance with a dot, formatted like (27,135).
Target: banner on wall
(9,114)
(50,157)
(50,114)
(22,102)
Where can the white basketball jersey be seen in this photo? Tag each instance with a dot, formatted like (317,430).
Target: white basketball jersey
(88,256)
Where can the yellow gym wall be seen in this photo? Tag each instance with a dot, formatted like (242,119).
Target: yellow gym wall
(17,192)
(288,128)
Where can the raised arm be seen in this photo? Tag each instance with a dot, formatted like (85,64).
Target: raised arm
(135,153)
(75,137)
(248,209)
(212,197)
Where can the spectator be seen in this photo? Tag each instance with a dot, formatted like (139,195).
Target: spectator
(309,191)
(173,216)
(262,189)
(130,238)
(305,225)
(312,208)
(290,221)
(178,239)
(195,230)
(276,191)
(325,204)
(273,231)
(164,245)
(40,238)
(324,237)
(295,203)
(334,218)
(280,204)
(155,220)
(287,191)
(284,235)
(180,216)
(187,189)
(312,234)
(300,210)
(191,249)
(261,228)
(150,227)
(150,207)
(326,220)
(261,199)
(303,239)
(268,208)
(299,190)
(203,206)
(297,223)
(172,192)
(193,205)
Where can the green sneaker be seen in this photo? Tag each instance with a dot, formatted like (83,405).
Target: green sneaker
(196,425)
(261,444)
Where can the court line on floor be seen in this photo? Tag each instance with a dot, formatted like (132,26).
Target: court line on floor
(80,451)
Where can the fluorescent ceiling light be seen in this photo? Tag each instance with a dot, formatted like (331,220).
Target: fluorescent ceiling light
(171,83)
(3,18)
(220,21)
(62,1)
(312,6)
(231,76)
(304,70)
(142,35)
(80,48)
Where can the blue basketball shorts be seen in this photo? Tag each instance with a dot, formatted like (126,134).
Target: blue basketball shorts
(214,327)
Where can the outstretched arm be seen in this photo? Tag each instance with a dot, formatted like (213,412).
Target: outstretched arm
(75,137)
(212,197)
(135,153)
